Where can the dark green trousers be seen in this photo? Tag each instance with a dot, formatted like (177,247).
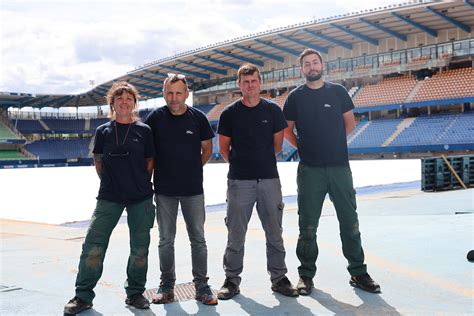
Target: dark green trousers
(140,218)
(313,185)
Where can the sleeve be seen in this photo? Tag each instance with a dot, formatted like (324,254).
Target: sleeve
(149,143)
(225,123)
(98,141)
(206,131)
(280,121)
(289,109)
(346,101)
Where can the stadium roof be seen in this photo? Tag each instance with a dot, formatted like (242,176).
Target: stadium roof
(208,64)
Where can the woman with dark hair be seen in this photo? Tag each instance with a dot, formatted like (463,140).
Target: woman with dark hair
(123,158)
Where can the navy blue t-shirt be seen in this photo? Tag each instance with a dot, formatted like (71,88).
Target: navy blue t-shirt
(124,178)
(317,114)
(251,129)
(178,165)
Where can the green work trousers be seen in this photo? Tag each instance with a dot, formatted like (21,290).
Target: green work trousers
(140,218)
(313,185)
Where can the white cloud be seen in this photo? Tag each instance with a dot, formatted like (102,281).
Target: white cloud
(57,46)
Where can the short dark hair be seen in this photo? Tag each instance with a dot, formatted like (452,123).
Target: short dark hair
(172,78)
(309,51)
(248,70)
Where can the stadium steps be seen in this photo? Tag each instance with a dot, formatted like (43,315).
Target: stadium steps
(354,136)
(414,91)
(87,124)
(453,119)
(400,128)
(45,126)
(352,92)
(91,146)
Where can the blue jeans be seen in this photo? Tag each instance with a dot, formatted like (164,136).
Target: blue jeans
(194,215)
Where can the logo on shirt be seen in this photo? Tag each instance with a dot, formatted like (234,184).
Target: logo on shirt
(135,140)
(265,121)
(327,105)
(189,132)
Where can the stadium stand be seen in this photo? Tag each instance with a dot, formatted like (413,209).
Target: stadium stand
(390,91)
(61,126)
(57,148)
(456,83)
(30,126)
(412,83)
(375,133)
(438,129)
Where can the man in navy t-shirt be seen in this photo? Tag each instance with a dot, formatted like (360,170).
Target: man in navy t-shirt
(183,143)
(250,134)
(322,114)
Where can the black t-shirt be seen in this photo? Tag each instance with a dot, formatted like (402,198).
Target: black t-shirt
(178,166)
(251,129)
(319,123)
(124,177)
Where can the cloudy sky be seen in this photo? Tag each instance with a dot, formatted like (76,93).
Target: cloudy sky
(59,46)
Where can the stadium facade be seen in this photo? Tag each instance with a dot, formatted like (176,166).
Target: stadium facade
(408,68)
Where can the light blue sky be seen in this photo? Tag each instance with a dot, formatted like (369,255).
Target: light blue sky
(58,46)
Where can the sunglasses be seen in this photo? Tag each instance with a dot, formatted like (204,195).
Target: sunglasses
(120,151)
(177,76)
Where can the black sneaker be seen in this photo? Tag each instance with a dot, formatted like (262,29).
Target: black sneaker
(365,282)
(205,296)
(164,295)
(305,285)
(285,287)
(228,290)
(138,301)
(75,306)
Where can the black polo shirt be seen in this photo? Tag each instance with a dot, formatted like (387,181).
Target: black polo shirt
(251,129)
(319,123)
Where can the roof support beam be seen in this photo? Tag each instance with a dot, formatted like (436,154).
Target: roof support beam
(400,36)
(145,79)
(329,39)
(419,26)
(361,36)
(219,62)
(48,103)
(305,44)
(34,100)
(208,68)
(244,59)
(145,86)
(260,53)
(282,48)
(454,22)
(469,3)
